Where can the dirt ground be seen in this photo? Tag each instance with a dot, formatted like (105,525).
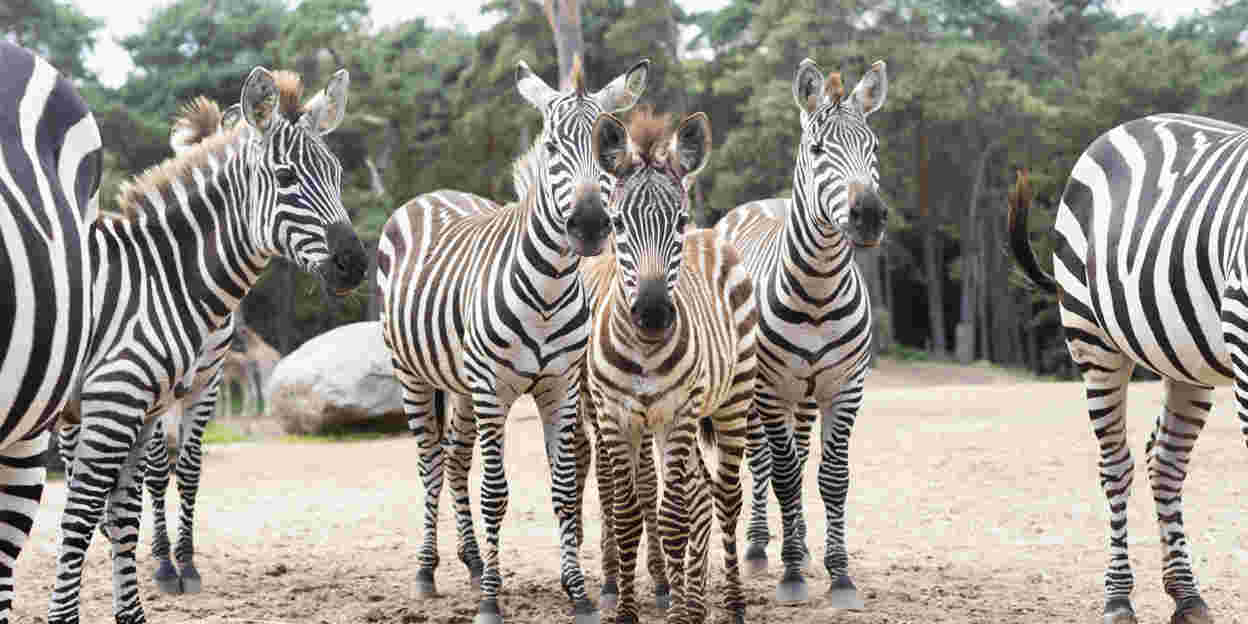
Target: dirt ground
(974,498)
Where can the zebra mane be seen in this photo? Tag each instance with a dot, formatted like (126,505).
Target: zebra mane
(524,172)
(650,132)
(200,120)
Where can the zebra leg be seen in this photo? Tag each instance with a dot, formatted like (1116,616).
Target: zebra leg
(698,528)
(123,512)
(757,534)
(22,475)
(730,438)
(67,441)
(1169,450)
(565,418)
(838,423)
(647,496)
(199,411)
(622,456)
(675,527)
(461,438)
(804,418)
(426,424)
(583,454)
(786,478)
(157,481)
(609,597)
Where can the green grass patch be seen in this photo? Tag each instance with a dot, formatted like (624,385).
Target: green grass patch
(905,353)
(221,433)
(371,430)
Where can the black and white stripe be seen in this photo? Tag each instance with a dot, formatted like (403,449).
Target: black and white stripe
(199,231)
(671,355)
(814,329)
(484,302)
(50,161)
(1150,267)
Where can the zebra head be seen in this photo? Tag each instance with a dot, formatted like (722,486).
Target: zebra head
(836,180)
(649,207)
(295,181)
(573,183)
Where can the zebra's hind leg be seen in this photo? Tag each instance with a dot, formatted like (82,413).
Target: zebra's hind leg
(648,498)
(426,424)
(1169,450)
(838,423)
(786,479)
(157,482)
(199,411)
(757,533)
(461,438)
(804,418)
(22,475)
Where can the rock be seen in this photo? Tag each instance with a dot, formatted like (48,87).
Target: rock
(340,378)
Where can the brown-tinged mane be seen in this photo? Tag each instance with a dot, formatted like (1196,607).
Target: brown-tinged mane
(197,120)
(833,88)
(130,201)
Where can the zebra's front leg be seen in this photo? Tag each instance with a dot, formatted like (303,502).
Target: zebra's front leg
(461,438)
(123,513)
(804,418)
(622,452)
(674,530)
(190,467)
(648,496)
(66,442)
(157,481)
(838,424)
(731,432)
(609,597)
(757,533)
(1169,450)
(561,421)
(426,426)
(22,476)
(786,479)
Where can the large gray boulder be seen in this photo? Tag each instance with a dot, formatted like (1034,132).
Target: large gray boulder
(340,378)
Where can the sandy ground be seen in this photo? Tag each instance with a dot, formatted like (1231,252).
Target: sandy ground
(974,499)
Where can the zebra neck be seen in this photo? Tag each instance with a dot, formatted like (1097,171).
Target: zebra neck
(194,243)
(542,270)
(632,354)
(817,261)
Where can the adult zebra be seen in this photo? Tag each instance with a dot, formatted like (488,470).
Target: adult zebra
(1150,270)
(49,175)
(485,302)
(671,354)
(814,328)
(198,120)
(198,231)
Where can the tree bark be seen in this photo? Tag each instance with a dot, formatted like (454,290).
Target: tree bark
(933,259)
(564,17)
(970,257)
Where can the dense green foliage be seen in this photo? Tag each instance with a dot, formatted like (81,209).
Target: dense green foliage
(976,87)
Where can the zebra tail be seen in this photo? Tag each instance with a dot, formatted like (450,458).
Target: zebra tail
(440,414)
(1020,244)
(706,435)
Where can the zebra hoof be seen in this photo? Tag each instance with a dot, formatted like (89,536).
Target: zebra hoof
(1119,611)
(738,616)
(843,595)
(1191,611)
(424,586)
(585,613)
(191,581)
(609,597)
(755,560)
(663,596)
(166,578)
(475,570)
(488,613)
(792,588)
(625,618)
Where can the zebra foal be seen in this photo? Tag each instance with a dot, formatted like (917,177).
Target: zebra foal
(1149,268)
(485,302)
(814,326)
(671,355)
(50,167)
(194,236)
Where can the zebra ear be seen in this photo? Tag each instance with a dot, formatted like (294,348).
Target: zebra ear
(259,99)
(623,92)
(692,144)
(325,112)
(231,116)
(807,86)
(532,87)
(610,143)
(868,95)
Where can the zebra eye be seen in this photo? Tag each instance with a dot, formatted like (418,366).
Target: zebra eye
(816,149)
(618,223)
(552,149)
(682,221)
(285,176)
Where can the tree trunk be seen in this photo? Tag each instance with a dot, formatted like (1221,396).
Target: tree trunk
(564,17)
(933,259)
(970,258)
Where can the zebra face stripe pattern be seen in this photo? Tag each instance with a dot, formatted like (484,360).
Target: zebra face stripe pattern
(194,235)
(50,160)
(814,329)
(691,373)
(1150,268)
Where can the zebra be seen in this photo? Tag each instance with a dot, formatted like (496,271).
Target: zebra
(199,119)
(671,354)
(50,169)
(484,302)
(196,233)
(814,328)
(1149,266)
